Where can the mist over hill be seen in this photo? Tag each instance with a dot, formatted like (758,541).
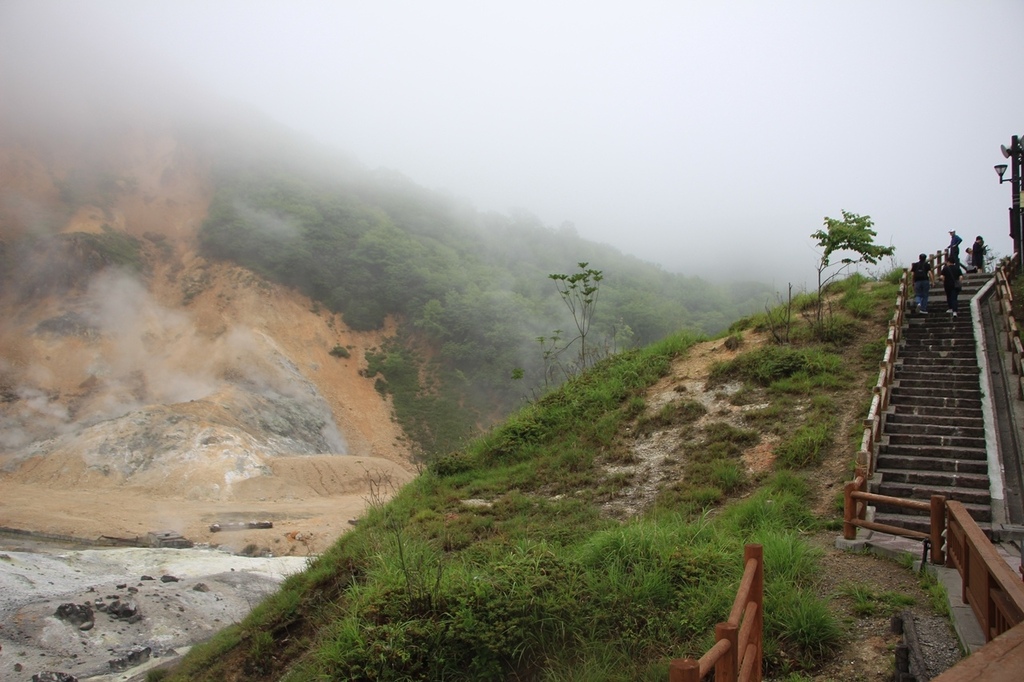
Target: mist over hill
(469,292)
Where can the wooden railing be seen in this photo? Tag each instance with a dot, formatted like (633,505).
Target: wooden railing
(1004,275)
(886,372)
(736,654)
(989,584)
(855,503)
(994,592)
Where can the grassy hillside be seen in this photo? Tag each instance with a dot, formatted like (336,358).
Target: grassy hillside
(507,560)
(481,325)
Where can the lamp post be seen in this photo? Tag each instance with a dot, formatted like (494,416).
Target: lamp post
(1013,153)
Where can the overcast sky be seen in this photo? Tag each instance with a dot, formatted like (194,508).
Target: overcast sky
(704,135)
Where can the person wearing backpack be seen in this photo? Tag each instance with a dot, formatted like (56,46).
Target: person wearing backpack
(951,276)
(922,275)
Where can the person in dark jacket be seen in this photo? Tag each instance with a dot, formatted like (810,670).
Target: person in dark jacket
(922,274)
(978,254)
(951,276)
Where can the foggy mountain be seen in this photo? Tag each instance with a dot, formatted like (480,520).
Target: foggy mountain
(200,305)
(136,375)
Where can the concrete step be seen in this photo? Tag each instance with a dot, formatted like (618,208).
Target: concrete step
(914,368)
(937,383)
(927,393)
(924,477)
(939,320)
(950,357)
(930,378)
(905,401)
(931,392)
(902,415)
(925,362)
(929,440)
(889,462)
(898,432)
(905,450)
(937,345)
(921,491)
(920,522)
(934,328)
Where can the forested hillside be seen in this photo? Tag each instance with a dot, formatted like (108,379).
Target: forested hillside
(481,325)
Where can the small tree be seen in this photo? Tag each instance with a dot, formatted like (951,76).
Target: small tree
(579,292)
(852,234)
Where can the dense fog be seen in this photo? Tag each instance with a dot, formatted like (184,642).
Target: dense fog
(709,137)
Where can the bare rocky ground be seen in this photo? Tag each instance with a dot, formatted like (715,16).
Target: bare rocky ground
(147,605)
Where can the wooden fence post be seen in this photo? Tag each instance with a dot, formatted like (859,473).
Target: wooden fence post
(684,670)
(849,530)
(938,525)
(756,552)
(728,665)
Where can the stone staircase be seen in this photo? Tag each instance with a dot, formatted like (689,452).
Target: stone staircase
(933,436)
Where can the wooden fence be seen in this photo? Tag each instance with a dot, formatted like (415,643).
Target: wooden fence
(855,503)
(1004,293)
(994,592)
(737,652)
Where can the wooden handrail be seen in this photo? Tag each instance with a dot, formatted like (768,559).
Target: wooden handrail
(855,499)
(1004,276)
(739,641)
(886,375)
(994,592)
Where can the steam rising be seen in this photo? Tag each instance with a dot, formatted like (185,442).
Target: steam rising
(131,364)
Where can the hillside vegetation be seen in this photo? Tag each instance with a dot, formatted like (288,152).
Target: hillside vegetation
(481,327)
(503,560)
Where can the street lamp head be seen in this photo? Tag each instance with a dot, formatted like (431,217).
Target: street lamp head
(1000,169)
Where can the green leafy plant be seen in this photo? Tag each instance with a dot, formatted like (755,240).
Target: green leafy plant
(579,292)
(852,236)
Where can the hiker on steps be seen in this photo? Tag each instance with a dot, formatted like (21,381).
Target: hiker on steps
(977,252)
(953,250)
(952,275)
(922,274)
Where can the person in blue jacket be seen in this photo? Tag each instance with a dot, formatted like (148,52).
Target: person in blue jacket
(954,246)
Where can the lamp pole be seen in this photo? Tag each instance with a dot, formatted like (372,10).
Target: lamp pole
(1014,155)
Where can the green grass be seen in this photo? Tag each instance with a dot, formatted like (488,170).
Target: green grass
(806,446)
(870,602)
(535,581)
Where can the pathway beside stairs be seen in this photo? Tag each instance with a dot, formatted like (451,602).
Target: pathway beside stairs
(933,439)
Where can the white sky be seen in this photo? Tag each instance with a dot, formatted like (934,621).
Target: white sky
(710,136)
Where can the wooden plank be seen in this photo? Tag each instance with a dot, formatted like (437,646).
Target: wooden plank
(897,501)
(891,530)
